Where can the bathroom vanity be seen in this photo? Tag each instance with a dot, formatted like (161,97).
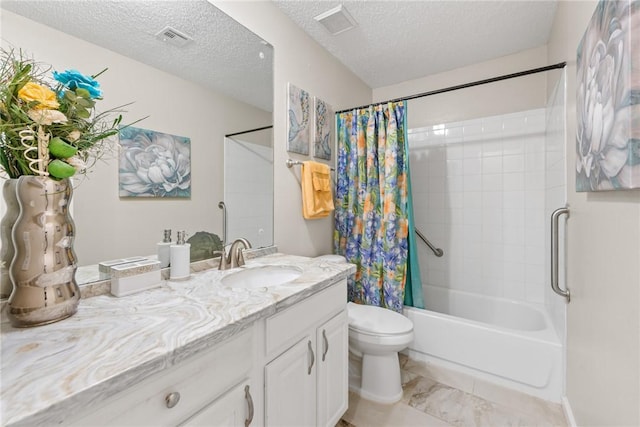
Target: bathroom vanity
(196,352)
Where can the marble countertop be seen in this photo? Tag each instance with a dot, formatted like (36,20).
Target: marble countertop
(111,343)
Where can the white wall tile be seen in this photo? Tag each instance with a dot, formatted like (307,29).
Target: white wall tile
(513,163)
(454,167)
(492,182)
(472,148)
(472,182)
(492,165)
(513,181)
(483,197)
(472,166)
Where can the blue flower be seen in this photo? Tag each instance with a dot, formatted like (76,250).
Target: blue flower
(73,80)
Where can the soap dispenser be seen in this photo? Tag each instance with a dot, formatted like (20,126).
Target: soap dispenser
(164,249)
(180,258)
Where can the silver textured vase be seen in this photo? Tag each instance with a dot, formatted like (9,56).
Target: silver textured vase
(6,225)
(44,265)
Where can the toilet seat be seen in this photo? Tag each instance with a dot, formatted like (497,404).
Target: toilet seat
(377,321)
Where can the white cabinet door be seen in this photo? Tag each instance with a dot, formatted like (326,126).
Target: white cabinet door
(290,386)
(230,410)
(333,370)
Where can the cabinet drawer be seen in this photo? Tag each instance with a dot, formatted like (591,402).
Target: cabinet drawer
(198,381)
(284,329)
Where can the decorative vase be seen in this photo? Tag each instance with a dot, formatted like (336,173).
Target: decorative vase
(44,265)
(6,225)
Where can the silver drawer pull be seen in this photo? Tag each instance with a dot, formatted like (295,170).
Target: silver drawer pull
(249,399)
(172,399)
(326,344)
(313,358)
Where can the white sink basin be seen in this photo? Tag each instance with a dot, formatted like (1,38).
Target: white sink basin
(261,277)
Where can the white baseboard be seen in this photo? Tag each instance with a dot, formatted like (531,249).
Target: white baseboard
(568,413)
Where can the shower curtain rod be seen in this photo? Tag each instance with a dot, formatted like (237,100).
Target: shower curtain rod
(248,131)
(465,85)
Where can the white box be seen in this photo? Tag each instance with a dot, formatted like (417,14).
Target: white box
(133,277)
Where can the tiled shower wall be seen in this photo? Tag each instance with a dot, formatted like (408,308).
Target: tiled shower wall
(479,194)
(248,191)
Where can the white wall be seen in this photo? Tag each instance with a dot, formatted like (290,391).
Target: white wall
(108,227)
(507,96)
(301,61)
(603,270)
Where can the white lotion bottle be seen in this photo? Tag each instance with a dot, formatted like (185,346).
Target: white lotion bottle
(164,250)
(180,258)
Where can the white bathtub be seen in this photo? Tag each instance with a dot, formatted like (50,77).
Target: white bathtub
(506,342)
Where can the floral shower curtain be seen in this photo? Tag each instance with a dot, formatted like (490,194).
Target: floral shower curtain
(373,216)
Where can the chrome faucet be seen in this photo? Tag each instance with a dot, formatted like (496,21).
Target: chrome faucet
(235,257)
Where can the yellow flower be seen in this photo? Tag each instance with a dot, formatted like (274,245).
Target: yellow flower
(45,97)
(46,117)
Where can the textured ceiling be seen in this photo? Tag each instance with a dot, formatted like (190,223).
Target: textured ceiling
(397,41)
(224,56)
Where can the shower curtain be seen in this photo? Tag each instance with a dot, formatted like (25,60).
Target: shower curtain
(374,214)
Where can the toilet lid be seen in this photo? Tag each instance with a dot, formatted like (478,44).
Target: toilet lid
(377,320)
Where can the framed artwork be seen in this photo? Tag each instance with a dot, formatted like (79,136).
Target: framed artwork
(154,164)
(299,128)
(607,104)
(323,129)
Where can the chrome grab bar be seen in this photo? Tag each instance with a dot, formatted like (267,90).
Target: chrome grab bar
(554,253)
(436,251)
(222,206)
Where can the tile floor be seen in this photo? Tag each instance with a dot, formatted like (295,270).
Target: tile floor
(438,397)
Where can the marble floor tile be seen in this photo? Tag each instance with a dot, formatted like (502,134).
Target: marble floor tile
(548,413)
(363,413)
(442,375)
(429,401)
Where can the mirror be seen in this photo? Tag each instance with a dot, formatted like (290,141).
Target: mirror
(217,80)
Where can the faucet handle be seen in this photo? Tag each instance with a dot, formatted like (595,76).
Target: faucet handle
(222,265)
(240,257)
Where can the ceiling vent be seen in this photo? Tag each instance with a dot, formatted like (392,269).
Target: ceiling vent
(173,37)
(336,20)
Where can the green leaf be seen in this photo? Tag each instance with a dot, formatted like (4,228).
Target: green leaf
(81,102)
(70,95)
(83,93)
(83,113)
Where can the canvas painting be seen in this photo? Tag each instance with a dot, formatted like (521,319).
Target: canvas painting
(154,164)
(323,130)
(607,104)
(299,128)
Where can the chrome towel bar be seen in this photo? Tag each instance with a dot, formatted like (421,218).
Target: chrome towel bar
(291,163)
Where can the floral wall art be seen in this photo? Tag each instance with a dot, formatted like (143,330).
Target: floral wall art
(299,113)
(154,164)
(607,104)
(323,135)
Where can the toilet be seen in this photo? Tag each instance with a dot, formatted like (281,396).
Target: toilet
(376,335)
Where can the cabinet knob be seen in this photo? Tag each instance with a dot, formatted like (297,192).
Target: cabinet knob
(172,399)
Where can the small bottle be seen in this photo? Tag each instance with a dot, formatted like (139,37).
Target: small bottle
(164,251)
(180,258)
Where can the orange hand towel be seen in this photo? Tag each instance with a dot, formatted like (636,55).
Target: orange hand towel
(317,199)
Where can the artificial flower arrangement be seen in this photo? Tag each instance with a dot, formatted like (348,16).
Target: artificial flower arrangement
(49,125)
